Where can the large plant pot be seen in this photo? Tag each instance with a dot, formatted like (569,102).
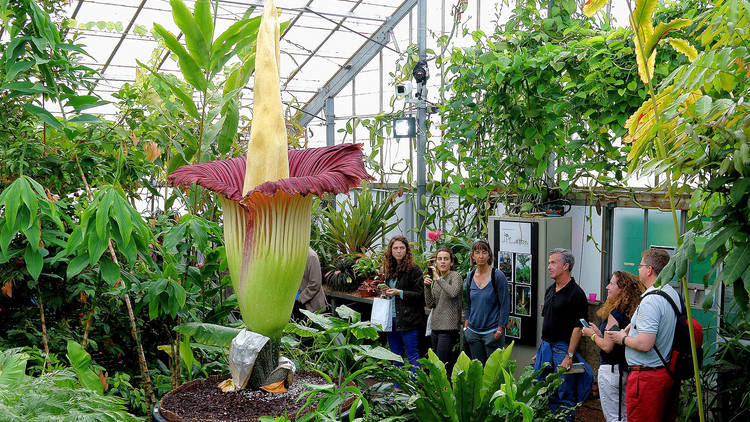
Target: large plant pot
(202,401)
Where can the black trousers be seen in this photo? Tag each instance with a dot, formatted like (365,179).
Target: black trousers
(443,343)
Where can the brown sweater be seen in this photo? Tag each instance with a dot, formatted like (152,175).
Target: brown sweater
(444,296)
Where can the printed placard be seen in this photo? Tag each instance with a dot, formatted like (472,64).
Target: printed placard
(514,327)
(505,264)
(523,268)
(522,303)
(515,237)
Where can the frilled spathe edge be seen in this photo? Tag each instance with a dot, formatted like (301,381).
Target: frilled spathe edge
(332,169)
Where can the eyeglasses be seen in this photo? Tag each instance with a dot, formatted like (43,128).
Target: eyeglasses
(643,265)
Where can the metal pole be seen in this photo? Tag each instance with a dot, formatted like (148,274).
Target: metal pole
(421,123)
(330,124)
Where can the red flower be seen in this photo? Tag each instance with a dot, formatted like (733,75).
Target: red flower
(434,236)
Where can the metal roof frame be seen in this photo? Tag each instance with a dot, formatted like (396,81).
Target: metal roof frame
(351,68)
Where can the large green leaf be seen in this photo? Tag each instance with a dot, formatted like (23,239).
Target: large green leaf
(121,215)
(96,245)
(186,353)
(83,102)
(196,43)
(174,236)
(110,270)
(102,214)
(468,390)
(736,263)
(203,18)
(436,401)
(739,190)
(243,33)
(381,353)
(77,265)
(228,132)
(12,200)
(191,71)
(81,362)
(210,334)
(17,68)
(493,369)
(44,116)
(34,260)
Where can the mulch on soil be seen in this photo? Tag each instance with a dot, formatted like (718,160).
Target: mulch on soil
(203,401)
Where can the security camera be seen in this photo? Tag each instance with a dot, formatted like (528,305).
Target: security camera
(403,89)
(421,72)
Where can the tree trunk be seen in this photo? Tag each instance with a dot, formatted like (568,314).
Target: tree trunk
(150,398)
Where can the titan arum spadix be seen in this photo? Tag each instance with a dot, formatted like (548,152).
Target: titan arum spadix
(267,197)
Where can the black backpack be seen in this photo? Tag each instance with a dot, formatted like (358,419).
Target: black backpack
(680,365)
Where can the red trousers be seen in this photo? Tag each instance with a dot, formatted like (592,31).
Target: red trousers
(651,396)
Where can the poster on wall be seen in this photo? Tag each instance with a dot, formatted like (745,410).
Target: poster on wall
(523,268)
(514,327)
(505,264)
(515,237)
(522,303)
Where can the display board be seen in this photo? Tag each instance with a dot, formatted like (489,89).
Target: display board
(516,257)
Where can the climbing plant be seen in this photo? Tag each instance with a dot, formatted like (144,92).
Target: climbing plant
(535,108)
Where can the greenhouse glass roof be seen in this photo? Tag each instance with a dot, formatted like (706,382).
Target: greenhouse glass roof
(322,36)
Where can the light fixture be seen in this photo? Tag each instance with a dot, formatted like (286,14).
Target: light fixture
(404,127)
(403,89)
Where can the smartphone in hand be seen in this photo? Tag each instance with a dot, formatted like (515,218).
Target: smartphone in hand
(584,323)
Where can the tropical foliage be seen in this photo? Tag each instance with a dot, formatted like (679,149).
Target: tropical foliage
(67,394)
(119,284)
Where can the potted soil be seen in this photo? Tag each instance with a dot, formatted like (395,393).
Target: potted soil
(201,400)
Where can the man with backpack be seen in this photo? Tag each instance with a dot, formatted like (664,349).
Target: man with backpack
(651,393)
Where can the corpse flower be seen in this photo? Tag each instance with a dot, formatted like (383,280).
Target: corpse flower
(267,197)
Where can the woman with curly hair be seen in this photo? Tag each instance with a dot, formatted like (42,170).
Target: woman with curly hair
(406,290)
(623,296)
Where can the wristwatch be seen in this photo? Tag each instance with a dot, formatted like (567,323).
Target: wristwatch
(570,355)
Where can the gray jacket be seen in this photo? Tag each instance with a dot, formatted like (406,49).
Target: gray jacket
(311,288)
(444,296)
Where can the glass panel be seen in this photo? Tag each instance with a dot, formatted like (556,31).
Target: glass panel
(627,239)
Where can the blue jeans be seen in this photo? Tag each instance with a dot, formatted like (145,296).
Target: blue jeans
(399,341)
(481,346)
(575,388)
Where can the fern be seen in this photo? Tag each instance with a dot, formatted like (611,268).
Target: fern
(55,396)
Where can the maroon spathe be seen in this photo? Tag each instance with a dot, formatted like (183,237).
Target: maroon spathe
(332,169)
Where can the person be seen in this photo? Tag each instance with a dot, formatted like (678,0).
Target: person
(650,394)
(406,289)
(623,295)
(442,293)
(565,305)
(487,304)
(311,294)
